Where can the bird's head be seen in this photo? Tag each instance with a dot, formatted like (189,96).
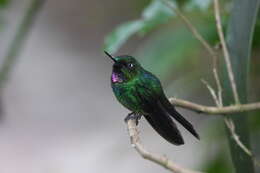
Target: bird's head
(125,68)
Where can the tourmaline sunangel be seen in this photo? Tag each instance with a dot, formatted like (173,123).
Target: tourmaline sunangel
(141,92)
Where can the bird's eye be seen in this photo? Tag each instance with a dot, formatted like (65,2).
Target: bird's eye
(130,65)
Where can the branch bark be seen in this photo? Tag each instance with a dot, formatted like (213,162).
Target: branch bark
(158,159)
(212,110)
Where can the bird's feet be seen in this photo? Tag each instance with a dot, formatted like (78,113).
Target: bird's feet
(133,116)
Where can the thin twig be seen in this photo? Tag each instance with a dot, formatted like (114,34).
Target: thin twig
(219,88)
(212,91)
(212,110)
(161,160)
(229,123)
(225,52)
(207,46)
(231,126)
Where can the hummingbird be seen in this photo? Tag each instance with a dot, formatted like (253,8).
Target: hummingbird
(141,92)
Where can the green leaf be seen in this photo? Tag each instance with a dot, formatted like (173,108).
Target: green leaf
(219,164)
(156,10)
(153,15)
(119,36)
(254,120)
(239,40)
(256,40)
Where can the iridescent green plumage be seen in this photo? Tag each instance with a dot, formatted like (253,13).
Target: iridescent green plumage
(127,94)
(141,92)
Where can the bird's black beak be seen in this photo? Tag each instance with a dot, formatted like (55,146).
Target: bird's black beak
(110,56)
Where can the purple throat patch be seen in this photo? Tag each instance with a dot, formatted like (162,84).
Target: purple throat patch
(116,78)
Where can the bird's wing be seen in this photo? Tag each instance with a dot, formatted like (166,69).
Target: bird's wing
(153,90)
(148,92)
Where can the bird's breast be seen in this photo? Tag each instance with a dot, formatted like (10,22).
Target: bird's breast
(126,94)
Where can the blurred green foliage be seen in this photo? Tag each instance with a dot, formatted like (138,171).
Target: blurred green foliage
(155,14)
(255,121)
(3,3)
(218,165)
(256,40)
(254,117)
(170,49)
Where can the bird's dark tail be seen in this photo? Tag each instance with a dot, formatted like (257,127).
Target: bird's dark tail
(164,125)
(186,124)
(160,119)
(164,102)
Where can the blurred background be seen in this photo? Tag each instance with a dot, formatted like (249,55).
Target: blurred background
(58,113)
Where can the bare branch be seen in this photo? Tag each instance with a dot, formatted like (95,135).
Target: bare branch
(215,110)
(212,92)
(225,51)
(161,160)
(231,126)
(216,76)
